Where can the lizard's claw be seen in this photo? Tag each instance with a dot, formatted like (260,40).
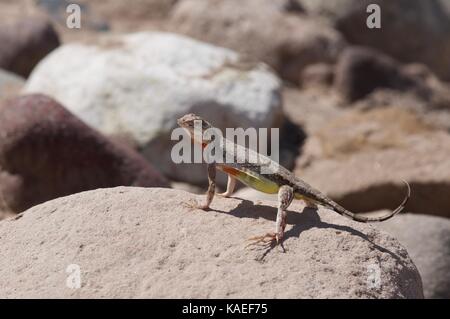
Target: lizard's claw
(265,240)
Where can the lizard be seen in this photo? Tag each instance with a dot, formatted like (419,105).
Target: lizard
(246,167)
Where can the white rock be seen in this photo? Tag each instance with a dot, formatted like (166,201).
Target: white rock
(139,84)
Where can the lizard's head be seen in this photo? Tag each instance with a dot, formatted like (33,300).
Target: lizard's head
(190,122)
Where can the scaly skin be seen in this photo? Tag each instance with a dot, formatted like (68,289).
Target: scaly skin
(247,168)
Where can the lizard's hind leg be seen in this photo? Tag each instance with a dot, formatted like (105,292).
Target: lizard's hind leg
(285,197)
(231,183)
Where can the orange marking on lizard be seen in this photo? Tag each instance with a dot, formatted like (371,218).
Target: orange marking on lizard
(232,171)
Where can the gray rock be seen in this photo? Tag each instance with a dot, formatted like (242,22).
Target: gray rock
(362,73)
(361,70)
(317,75)
(411,30)
(365,173)
(431,103)
(427,239)
(266,30)
(25,42)
(145,243)
(312,108)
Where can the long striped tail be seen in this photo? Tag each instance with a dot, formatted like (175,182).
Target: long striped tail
(361,217)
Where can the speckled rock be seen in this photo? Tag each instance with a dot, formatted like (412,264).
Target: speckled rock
(46,152)
(146,243)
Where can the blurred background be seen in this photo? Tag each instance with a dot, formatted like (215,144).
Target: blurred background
(360,94)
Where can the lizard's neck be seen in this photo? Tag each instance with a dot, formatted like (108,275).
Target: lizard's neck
(203,144)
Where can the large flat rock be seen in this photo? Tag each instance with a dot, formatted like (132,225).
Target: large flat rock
(145,243)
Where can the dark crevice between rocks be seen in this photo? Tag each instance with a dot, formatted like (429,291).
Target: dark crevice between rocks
(426,198)
(292,138)
(294,7)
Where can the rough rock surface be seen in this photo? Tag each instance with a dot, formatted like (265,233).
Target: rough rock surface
(97,16)
(359,131)
(372,180)
(46,152)
(312,108)
(427,239)
(144,243)
(361,71)
(433,108)
(138,85)
(107,15)
(292,41)
(317,75)
(411,30)
(25,42)
(148,9)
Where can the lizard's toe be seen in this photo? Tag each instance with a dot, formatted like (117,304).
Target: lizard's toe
(264,240)
(194,205)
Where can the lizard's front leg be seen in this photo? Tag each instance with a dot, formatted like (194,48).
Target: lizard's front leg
(211,186)
(285,197)
(231,183)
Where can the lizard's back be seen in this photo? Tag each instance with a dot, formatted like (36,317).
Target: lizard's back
(256,170)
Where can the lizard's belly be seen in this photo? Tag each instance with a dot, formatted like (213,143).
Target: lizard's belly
(251,179)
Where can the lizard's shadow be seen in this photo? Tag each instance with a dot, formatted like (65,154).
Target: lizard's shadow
(300,221)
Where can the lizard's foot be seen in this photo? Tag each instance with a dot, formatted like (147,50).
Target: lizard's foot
(195,205)
(224,194)
(266,240)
